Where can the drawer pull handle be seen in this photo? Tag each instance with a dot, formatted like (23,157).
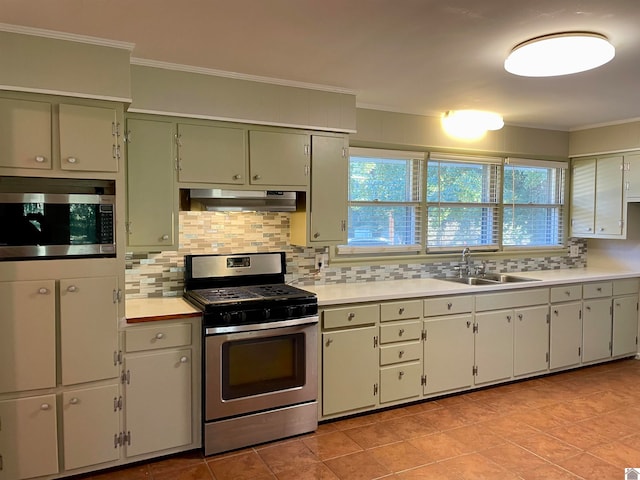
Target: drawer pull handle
(449,305)
(351,316)
(45,406)
(400,375)
(160,336)
(401,311)
(400,332)
(401,354)
(165,237)
(184,359)
(237,177)
(72,288)
(43,291)
(72,160)
(74,401)
(40,159)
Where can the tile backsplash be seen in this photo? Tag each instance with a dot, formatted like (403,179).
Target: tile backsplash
(157,274)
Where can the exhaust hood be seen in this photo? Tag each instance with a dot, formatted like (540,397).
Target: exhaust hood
(220,200)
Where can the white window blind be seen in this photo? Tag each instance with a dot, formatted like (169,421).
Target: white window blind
(462,202)
(533,203)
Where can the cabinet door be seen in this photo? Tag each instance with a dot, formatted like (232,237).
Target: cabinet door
(494,346)
(531,340)
(27,335)
(28,438)
(565,335)
(88,139)
(632,176)
(329,175)
(349,370)
(88,329)
(400,382)
(212,154)
(625,325)
(583,195)
(90,424)
(596,330)
(158,401)
(449,343)
(279,158)
(25,134)
(151,193)
(609,196)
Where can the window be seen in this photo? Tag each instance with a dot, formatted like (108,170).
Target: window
(384,200)
(533,199)
(462,202)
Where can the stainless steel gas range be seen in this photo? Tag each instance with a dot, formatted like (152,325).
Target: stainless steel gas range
(260,360)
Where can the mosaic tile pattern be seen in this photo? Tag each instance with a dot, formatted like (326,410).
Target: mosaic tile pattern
(157,274)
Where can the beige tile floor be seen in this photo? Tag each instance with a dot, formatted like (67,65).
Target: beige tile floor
(583,424)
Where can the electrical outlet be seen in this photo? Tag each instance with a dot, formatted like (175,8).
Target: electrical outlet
(321,261)
(574,250)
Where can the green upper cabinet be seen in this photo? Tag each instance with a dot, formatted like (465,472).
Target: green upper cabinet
(597,206)
(25,134)
(323,220)
(89,138)
(212,154)
(279,158)
(152,214)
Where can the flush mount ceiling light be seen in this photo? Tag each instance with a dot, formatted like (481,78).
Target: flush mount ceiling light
(470,124)
(559,54)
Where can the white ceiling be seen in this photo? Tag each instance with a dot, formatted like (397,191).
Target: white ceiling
(413,56)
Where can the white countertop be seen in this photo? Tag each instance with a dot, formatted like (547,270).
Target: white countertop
(342,293)
(168,308)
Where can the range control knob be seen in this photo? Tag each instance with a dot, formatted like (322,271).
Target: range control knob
(266,313)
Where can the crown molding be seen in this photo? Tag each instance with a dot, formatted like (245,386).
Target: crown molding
(72,37)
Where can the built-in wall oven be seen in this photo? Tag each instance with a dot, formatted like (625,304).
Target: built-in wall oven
(260,357)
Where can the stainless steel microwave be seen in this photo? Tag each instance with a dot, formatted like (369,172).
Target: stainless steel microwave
(47,218)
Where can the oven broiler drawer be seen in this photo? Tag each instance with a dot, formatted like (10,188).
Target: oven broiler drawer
(157,337)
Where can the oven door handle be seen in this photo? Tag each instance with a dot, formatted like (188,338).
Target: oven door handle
(294,322)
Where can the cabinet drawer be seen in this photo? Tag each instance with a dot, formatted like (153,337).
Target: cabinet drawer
(566,293)
(400,310)
(434,307)
(400,331)
(351,316)
(597,290)
(161,336)
(401,352)
(628,286)
(520,298)
(400,382)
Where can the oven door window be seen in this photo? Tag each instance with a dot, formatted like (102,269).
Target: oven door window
(262,365)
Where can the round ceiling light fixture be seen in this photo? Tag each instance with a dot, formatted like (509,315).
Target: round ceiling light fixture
(470,124)
(559,54)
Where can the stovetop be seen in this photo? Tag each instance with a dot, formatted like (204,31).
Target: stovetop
(210,297)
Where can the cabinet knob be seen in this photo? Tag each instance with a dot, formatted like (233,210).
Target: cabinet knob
(520,316)
(401,311)
(588,308)
(184,359)
(401,354)
(508,318)
(72,160)
(74,400)
(400,375)
(351,316)
(567,293)
(45,406)
(43,291)
(599,289)
(257,177)
(165,237)
(329,341)
(401,332)
(72,288)
(316,235)
(160,336)
(601,229)
(40,159)
(555,312)
(237,177)
(449,305)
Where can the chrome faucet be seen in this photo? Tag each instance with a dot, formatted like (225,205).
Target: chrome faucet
(465,267)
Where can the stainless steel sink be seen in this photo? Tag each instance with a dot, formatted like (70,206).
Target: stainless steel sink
(489,279)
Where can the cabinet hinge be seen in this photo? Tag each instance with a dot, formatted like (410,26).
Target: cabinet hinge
(117,357)
(306,170)
(474,370)
(344,152)
(375,341)
(343,225)
(127,228)
(423,380)
(178,139)
(424,335)
(178,167)
(125,377)
(127,137)
(122,438)
(116,403)
(475,328)
(548,318)
(307,149)
(579,351)
(375,389)
(580,314)
(610,347)
(1,463)
(636,344)
(621,223)
(117,295)
(546,356)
